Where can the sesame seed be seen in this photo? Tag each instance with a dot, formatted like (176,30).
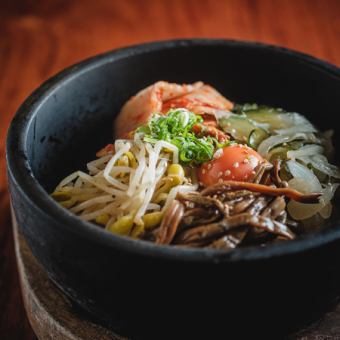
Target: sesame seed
(203,171)
(220,180)
(233,131)
(253,161)
(227,172)
(220,174)
(209,166)
(236,165)
(218,153)
(246,160)
(253,172)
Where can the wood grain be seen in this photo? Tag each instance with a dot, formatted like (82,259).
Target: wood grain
(40,37)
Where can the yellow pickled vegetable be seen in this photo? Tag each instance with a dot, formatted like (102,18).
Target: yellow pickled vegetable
(175,169)
(160,198)
(123,161)
(137,230)
(60,196)
(152,220)
(68,203)
(166,150)
(175,180)
(64,199)
(122,226)
(102,219)
(168,183)
(132,159)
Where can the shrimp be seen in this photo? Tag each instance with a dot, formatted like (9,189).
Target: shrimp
(162,96)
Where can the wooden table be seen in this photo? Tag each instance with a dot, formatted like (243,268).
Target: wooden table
(38,38)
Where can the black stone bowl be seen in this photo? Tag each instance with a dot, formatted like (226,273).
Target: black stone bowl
(150,291)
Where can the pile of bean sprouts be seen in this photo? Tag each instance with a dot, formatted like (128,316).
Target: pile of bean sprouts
(129,181)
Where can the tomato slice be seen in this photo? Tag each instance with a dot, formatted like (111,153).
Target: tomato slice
(235,162)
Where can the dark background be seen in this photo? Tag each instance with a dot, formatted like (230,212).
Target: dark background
(40,37)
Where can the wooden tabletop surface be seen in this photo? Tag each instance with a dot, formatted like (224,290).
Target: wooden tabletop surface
(39,38)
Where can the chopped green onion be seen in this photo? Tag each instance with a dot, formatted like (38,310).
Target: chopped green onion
(176,128)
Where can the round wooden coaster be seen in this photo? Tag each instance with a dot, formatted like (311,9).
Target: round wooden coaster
(52,315)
